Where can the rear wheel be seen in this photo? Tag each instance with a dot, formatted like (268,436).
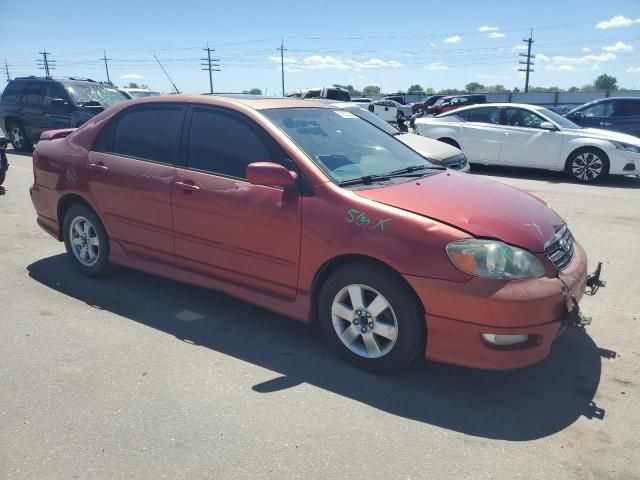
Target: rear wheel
(86,240)
(371,318)
(18,137)
(588,165)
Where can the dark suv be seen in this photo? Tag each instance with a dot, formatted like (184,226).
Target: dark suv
(31,105)
(621,114)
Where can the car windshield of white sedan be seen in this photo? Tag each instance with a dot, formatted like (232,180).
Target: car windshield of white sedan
(343,145)
(559,120)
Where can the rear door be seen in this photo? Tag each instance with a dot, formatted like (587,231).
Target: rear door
(131,168)
(224,226)
(385,110)
(626,117)
(525,144)
(481,135)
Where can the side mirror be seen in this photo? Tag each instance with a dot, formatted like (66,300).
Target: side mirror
(271,174)
(547,126)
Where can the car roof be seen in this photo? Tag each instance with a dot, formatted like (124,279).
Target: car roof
(503,104)
(256,102)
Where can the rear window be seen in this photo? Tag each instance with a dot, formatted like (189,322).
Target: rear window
(339,95)
(12,92)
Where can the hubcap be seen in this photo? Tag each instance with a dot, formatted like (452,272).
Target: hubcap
(364,321)
(587,166)
(16,137)
(84,241)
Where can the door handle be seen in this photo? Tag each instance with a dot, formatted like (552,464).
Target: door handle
(187,187)
(606,124)
(99,167)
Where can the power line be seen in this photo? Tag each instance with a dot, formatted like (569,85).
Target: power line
(528,63)
(46,63)
(282,50)
(210,66)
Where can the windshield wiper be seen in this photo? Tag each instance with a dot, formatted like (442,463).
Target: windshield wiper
(414,168)
(367,179)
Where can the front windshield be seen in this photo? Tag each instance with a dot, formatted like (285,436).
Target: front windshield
(89,93)
(373,119)
(344,146)
(561,121)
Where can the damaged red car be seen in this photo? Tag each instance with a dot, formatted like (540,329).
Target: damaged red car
(310,211)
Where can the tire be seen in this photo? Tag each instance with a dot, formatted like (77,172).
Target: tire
(450,141)
(587,165)
(18,137)
(377,338)
(83,229)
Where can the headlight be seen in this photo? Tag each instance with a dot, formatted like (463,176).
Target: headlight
(456,162)
(626,146)
(494,259)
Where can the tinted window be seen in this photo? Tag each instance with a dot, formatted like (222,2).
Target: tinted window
(12,92)
(33,94)
(484,115)
(633,107)
(519,117)
(338,95)
(464,115)
(225,143)
(602,109)
(148,132)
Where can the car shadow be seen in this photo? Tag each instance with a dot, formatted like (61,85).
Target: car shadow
(518,405)
(13,151)
(612,181)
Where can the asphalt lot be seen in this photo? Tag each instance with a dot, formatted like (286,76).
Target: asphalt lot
(138,377)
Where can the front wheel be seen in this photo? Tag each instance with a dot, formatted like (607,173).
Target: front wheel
(371,318)
(588,165)
(86,240)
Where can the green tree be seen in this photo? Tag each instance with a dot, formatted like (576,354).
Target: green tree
(371,90)
(132,85)
(515,90)
(451,91)
(588,88)
(255,91)
(415,89)
(573,89)
(496,89)
(474,87)
(605,82)
(350,88)
(430,91)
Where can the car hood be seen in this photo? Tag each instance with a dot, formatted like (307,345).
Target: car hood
(479,206)
(602,135)
(428,147)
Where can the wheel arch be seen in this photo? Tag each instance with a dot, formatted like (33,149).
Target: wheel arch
(7,121)
(580,148)
(339,261)
(64,203)
(450,141)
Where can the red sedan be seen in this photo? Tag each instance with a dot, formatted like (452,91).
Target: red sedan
(310,211)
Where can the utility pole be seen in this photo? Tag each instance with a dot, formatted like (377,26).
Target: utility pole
(106,65)
(529,62)
(210,66)
(282,50)
(46,64)
(6,69)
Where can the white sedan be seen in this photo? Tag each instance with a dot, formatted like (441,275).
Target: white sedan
(519,135)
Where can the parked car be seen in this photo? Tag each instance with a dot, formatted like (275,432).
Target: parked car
(428,102)
(331,93)
(31,105)
(520,135)
(395,98)
(312,212)
(141,92)
(364,102)
(561,109)
(4,162)
(620,114)
(459,101)
(389,110)
(433,150)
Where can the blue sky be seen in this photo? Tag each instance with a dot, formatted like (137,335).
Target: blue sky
(436,44)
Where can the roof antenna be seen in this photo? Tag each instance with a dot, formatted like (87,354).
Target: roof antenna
(165,72)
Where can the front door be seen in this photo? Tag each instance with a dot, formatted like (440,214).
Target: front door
(525,144)
(224,226)
(130,169)
(386,110)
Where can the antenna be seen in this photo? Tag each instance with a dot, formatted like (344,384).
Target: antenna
(165,72)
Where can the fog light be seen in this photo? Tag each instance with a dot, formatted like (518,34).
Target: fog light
(504,340)
(629,167)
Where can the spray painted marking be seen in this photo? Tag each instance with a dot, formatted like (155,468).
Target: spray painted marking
(536,226)
(72,177)
(360,220)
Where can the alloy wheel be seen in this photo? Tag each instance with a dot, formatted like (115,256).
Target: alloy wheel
(587,166)
(364,321)
(16,137)
(84,241)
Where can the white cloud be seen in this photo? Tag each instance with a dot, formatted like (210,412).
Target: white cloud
(320,62)
(541,57)
(436,66)
(486,28)
(560,68)
(454,39)
(285,60)
(633,70)
(616,22)
(520,47)
(496,35)
(618,47)
(583,60)
(131,76)
(431,44)
(586,49)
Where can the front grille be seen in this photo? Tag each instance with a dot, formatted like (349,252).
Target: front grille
(560,249)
